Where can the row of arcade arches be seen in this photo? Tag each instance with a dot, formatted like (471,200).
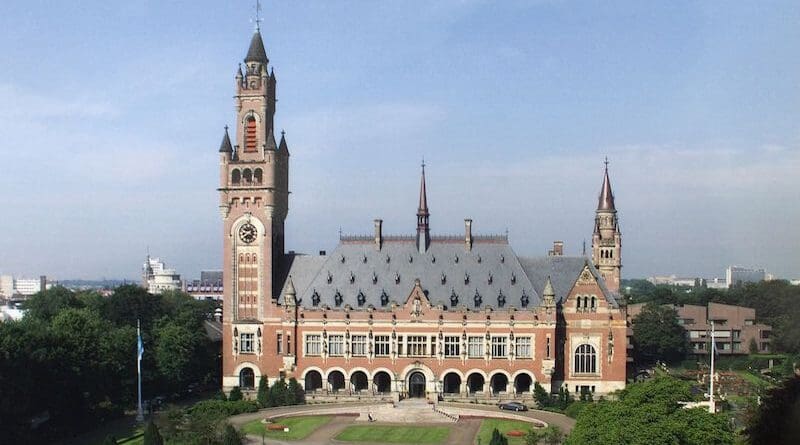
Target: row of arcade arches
(451,382)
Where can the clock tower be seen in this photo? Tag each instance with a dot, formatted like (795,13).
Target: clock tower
(254,195)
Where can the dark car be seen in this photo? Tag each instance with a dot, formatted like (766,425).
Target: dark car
(513,406)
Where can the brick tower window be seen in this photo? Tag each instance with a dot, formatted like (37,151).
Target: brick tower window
(250,139)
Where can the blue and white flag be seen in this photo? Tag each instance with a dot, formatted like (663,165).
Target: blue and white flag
(139,344)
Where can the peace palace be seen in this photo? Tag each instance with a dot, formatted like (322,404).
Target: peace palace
(390,317)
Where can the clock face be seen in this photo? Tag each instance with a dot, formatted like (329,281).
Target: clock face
(247,233)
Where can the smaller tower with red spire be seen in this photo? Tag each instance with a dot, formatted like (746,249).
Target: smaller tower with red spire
(423,230)
(607,238)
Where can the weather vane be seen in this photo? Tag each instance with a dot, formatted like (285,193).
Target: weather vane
(257,20)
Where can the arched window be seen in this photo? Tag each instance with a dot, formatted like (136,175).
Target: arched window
(236,177)
(247,378)
(594,303)
(585,360)
(258,176)
(250,139)
(247,176)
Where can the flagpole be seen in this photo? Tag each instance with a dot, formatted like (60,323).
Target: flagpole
(711,407)
(139,350)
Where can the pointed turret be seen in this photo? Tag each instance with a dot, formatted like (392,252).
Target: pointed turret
(607,238)
(256,53)
(548,294)
(225,146)
(606,200)
(271,145)
(423,230)
(282,146)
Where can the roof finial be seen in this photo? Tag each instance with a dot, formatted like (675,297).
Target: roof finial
(258,19)
(606,162)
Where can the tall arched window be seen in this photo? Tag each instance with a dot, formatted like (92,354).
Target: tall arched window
(250,139)
(585,360)
(247,176)
(258,176)
(247,378)
(236,177)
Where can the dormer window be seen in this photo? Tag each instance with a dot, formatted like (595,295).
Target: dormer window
(384,298)
(364,259)
(444,278)
(491,278)
(453,298)
(501,299)
(361,298)
(330,277)
(250,138)
(513,279)
(337,299)
(352,278)
(478,299)
(524,299)
(396,278)
(374,278)
(466,278)
(315,298)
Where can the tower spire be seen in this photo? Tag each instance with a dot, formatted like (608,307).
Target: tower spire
(423,230)
(606,200)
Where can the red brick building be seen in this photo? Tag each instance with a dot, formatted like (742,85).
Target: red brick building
(402,316)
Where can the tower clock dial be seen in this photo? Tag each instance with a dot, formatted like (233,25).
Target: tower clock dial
(247,233)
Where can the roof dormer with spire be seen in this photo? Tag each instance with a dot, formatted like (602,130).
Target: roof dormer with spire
(423,229)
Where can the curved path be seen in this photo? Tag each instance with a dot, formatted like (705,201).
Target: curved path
(464,433)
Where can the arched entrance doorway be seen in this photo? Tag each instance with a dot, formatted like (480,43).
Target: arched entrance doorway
(313,381)
(452,383)
(416,385)
(382,382)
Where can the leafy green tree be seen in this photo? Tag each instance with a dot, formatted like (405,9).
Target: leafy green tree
(151,435)
(533,436)
(235,395)
(230,436)
(657,335)
(650,413)
(777,421)
(46,304)
(177,346)
(263,392)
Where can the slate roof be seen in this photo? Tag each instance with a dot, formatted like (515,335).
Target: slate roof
(256,52)
(361,274)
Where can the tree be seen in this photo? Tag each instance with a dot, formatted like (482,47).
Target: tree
(176,348)
(533,437)
(298,395)
(230,436)
(235,395)
(263,392)
(498,438)
(657,335)
(552,435)
(151,435)
(777,420)
(541,396)
(753,346)
(649,413)
(46,304)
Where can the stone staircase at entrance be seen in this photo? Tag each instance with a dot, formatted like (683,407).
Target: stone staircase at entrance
(407,411)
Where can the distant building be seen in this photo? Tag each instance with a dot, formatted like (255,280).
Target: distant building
(6,286)
(11,311)
(674,280)
(11,287)
(734,327)
(208,287)
(156,278)
(736,275)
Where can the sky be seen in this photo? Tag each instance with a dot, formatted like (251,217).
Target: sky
(111,115)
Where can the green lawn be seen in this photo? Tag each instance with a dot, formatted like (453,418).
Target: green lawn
(395,434)
(504,426)
(299,427)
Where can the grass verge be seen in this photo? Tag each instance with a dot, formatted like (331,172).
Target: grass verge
(395,434)
(299,427)
(504,426)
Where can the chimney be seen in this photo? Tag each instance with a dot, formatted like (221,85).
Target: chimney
(558,249)
(378,233)
(468,234)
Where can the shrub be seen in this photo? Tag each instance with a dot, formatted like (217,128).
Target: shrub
(235,395)
(151,435)
(230,436)
(263,392)
(224,408)
(497,438)
(575,408)
(541,396)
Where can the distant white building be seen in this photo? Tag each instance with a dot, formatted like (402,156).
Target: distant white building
(156,278)
(11,286)
(11,311)
(736,275)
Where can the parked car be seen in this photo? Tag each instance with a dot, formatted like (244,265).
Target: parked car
(513,406)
